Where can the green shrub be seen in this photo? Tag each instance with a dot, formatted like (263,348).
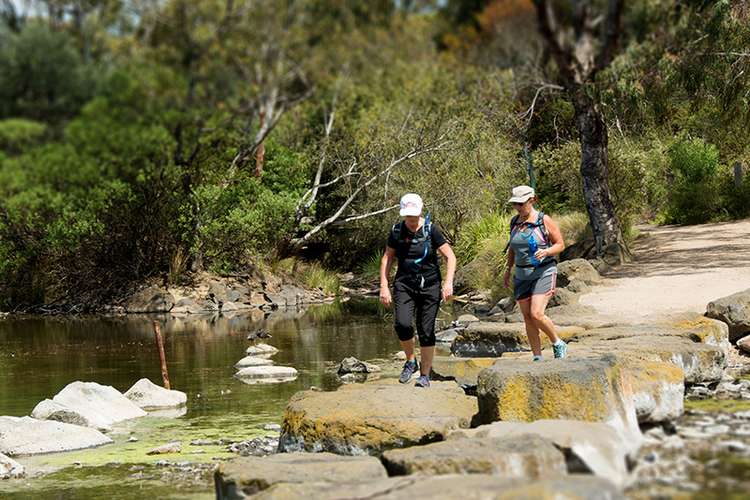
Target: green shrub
(316,276)
(695,193)
(17,134)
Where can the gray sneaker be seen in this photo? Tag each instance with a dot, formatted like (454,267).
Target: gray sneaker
(410,368)
(423,381)
(560,351)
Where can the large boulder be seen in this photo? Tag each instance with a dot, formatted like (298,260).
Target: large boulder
(589,447)
(528,456)
(101,405)
(247,476)
(50,410)
(589,389)
(450,487)
(371,418)
(492,339)
(463,370)
(149,396)
(734,310)
(150,300)
(658,390)
(29,436)
(10,469)
(577,269)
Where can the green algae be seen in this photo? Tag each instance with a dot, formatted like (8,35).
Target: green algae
(717,405)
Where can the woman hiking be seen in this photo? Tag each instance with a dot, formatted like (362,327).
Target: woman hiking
(417,290)
(535,240)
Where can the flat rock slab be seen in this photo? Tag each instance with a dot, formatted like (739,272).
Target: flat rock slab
(247,476)
(590,447)
(29,436)
(10,469)
(588,389)
(700,362)
(253,361)
(529,456)
(101,405)
(261,350)
(734,310)
(266,374)
(371,418)
(488,338)
(149,396)
(450,487)
(463,370)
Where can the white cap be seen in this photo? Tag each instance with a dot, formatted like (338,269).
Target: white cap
(522,194)
(411,204)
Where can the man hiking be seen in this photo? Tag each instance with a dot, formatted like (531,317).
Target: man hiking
(417,290)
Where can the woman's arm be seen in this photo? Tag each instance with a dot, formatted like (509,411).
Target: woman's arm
(509,266)
(446,251)
(555,237)
(385,270)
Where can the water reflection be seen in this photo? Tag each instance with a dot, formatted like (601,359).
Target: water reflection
(39,356)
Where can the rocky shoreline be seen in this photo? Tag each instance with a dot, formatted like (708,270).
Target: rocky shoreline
(598,424)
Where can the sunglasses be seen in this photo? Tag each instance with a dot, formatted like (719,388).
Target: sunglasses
(516,204)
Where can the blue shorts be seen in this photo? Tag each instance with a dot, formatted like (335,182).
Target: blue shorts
(543,285)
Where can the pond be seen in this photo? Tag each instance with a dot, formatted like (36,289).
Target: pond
(39,356)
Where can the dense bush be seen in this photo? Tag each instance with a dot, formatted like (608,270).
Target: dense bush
(695,193)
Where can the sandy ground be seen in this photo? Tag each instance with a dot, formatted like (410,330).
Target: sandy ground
(676,269)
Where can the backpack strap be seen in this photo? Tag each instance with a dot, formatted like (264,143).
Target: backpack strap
(542,227)
(513,224)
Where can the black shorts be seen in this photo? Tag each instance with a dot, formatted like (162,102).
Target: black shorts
(411,300)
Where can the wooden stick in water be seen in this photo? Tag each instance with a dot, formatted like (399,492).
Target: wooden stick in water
(162,357)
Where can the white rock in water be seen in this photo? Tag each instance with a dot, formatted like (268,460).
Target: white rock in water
(30,436)
(50,410)
(266,374)
(173,447)
(148,395)
(9,468)
(101,405)
(253,361)
(261,349)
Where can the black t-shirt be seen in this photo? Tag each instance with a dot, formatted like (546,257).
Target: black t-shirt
(408,250)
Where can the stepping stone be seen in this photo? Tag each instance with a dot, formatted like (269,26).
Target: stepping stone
(266,374)
(371,418)
(261,350)
(253,361)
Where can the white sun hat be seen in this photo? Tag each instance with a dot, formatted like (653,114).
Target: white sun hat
(411,204)
(522,194)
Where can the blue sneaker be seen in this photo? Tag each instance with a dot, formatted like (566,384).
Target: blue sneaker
(423,381)
(410,368)
(560,350)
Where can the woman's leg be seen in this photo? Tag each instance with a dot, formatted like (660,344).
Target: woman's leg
(427,308)
(403,314)
(532,330)
(538,305)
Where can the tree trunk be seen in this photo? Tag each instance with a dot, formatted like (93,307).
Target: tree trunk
(260,152)
(592,132)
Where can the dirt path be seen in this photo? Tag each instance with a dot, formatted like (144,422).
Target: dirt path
(676,269)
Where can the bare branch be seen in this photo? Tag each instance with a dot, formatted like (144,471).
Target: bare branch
(364,216)
(529,113)
(418,150)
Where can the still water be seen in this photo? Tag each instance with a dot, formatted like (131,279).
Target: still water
(39,356)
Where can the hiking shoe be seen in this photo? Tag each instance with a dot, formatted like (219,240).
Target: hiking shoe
(410,368)
(560,350)
(423,381)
